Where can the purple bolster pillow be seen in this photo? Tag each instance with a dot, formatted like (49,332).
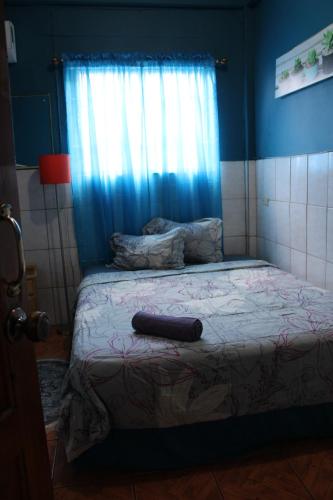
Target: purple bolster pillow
(171,327)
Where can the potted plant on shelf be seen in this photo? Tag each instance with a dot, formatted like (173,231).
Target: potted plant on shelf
(311,65)
(297,73)
(328,52)
(284,81)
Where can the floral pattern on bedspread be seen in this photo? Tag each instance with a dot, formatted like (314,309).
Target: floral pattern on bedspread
(267,344)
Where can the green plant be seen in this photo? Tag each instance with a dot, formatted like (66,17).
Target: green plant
(298,66)
(312,58)
(284,75)
(328,41)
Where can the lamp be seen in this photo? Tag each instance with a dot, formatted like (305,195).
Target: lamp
(55,169)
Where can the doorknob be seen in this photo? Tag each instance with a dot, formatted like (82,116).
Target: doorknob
(14,287)
(36,326)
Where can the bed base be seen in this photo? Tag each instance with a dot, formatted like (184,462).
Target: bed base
(210,442)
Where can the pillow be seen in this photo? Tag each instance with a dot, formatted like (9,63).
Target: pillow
(203,238)
(158,251)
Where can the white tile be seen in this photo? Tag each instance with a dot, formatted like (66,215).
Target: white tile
(60,308)
(253,246)
(65,199)
(282,223)
(260,245)
(234,245)
(233,181)
(260,179)
(41,259)
(53,228)
(252,179)
(57,275)
(30,190)
(315,271)
(283,179)
(50,196)
(269,179)
(329,255)
(299,179)
(330,181)
(316,231)
(67,226)
(282,257)
(260,218)
(45,303)
(72,267)
(233,217)
(252,217)
(298,264)
(329,276)
(34,231)
(298,226)
(269,221)
(317,179)
(271,252)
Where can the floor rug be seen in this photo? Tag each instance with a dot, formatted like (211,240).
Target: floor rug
(51,373)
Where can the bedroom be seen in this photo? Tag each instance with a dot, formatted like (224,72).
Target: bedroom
(276,169)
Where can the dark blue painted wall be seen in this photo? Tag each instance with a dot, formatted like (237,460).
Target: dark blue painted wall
(42,32)
(300,122)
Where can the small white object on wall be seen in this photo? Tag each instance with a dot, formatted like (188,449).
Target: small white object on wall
(10,42)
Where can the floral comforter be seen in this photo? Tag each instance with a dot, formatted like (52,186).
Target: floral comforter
(267,344)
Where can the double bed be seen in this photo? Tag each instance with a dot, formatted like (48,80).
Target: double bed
(267,346)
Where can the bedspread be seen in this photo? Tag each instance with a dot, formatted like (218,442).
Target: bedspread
(267,344)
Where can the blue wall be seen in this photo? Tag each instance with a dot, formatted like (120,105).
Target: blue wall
(42,32)
(300,122)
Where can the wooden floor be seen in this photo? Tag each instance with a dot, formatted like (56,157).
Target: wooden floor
(299,470)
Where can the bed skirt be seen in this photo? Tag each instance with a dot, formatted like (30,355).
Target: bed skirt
(209,442)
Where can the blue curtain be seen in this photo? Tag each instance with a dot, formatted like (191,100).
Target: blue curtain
(143,141)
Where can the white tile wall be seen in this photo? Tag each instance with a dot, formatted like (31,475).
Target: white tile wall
(299,179)
(234,206)
(317,179)
(329,253)
(329,276)
(330,180)
(315,271)
(298,263)
(40,230)
(234,217)
(316,231)
(296,197)
(282,173)
(298,226)
(233,181)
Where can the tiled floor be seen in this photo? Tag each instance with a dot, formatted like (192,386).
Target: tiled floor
(300,470)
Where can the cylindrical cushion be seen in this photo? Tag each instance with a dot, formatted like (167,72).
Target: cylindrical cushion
(171,327)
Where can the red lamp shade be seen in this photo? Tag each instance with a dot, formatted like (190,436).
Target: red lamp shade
(54,169)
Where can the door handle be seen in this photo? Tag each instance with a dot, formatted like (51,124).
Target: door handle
(36,326)
(14,287)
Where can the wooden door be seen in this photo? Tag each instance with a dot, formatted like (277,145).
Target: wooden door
(24,465)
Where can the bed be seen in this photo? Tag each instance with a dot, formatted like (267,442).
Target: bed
(267,345)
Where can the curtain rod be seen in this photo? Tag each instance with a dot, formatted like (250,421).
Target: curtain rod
(128,5)
(219,62)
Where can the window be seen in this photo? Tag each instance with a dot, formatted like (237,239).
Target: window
(148,126)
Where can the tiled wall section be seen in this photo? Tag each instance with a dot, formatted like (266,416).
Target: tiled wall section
(295,215)
(41,241)
(234,200)
(41,232)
